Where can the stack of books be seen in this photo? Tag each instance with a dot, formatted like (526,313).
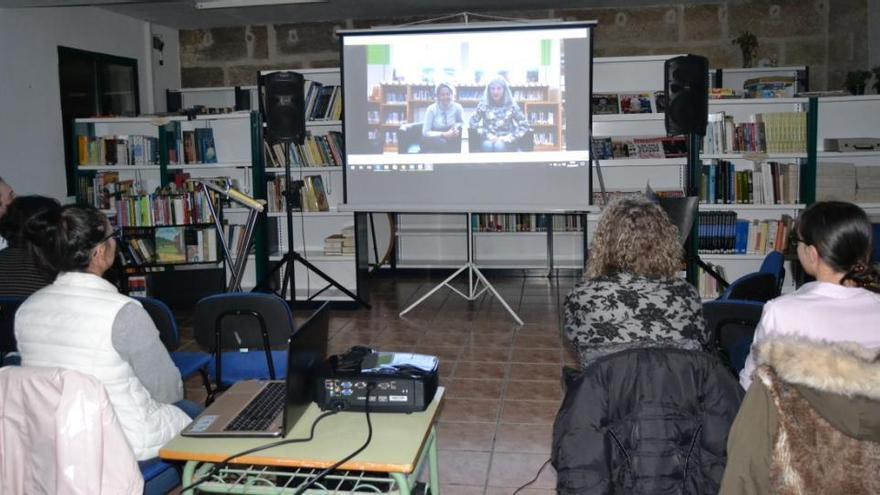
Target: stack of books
(836,182)
(340,244)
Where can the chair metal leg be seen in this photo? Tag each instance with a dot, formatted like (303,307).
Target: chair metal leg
(206,380)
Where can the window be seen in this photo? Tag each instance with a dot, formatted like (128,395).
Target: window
(93,84)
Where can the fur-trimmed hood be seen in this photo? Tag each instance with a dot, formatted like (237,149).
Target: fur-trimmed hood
(840,380)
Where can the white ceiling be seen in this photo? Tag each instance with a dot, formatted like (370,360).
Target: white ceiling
(182,14)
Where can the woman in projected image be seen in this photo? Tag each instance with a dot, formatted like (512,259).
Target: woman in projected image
(441,129)
(498,123)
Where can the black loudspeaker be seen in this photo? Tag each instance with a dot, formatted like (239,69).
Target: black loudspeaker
(242,99)
(687,94)
(283,108)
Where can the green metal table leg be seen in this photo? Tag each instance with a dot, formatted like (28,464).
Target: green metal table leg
(187,476)
(433,463)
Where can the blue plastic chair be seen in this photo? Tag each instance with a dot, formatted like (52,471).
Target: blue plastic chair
(732,324)
(189,363)
(8,347)
(231,325)
(159,476)
(760,286)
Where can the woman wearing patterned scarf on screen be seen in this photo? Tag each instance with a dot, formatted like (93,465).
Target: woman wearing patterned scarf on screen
(498,123)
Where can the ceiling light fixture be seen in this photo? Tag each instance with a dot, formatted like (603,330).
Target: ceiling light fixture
(231,4)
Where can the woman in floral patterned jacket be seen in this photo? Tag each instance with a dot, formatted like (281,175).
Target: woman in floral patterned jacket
(633,295)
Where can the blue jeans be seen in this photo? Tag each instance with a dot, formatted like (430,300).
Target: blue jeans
(164,476)
(189,407)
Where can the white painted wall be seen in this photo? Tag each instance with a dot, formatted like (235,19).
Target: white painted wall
(31,141)
(166,75)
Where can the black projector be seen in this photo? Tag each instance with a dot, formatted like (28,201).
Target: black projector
(396,382)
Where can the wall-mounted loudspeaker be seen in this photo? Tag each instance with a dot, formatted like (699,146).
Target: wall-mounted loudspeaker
(687,94)
(283,107)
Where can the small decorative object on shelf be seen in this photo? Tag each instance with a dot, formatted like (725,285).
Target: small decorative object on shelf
(856,80)
(748,43)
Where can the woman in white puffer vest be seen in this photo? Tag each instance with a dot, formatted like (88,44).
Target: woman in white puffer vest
(82,322)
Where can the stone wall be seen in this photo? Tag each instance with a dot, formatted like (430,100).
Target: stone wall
(829,37)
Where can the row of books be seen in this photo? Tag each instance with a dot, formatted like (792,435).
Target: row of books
(767,183)
(707,285)
(324,150)
(234,235)
(102,189)
(721,232)
(185,245)
(117,150)
(340,244)
(778,132)
(642,102)
(524,222)
(312,195)
(171,245)
(196,146)
(151,210)
(645,147)
(322,101)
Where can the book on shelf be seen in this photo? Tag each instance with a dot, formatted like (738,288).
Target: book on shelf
(170,245)
(640,147)
(707,285)
(604,104)
(333,245)
(635,102)
(314,195)
(766,183)
(773,132)
(721,232)
(836,182)
(117,150)
(137,285)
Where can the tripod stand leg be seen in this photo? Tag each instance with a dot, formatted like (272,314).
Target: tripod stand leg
(435,289)
(495,293)
(297,257)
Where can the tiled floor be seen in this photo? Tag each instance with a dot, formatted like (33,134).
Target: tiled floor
(502,380)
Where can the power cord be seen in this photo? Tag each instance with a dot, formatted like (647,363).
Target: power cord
(223,463)
(308,484)
(537,475)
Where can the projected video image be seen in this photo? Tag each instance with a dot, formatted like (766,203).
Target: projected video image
(466,94)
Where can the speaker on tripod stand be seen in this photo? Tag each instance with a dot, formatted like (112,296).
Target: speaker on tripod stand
(686,83)
(283,107)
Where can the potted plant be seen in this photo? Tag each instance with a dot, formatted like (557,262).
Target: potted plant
(748,43)
(856,80)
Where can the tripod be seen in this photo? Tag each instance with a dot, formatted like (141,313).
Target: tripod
(292,256)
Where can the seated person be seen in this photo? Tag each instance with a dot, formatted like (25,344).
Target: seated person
(81,322)
(20,273)
(843,303)
(441,129)
(633,295)
(810,421)
(498,122)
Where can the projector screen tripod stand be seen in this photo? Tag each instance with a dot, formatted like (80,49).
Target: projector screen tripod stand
(475,278)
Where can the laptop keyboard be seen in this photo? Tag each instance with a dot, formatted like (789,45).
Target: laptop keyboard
(261,411)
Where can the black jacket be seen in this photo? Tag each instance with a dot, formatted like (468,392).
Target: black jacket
(645,421)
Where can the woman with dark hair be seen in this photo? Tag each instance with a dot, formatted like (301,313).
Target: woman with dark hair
(633,295)
(842,305)
(441,128)
(20,274)
(498,122)
(81,322)
(812,411)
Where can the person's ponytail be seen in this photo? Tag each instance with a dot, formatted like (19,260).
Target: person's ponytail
(64,238)
(864,275)
(41,234)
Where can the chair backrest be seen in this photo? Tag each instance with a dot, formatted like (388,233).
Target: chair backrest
(757,286)
(88,441)
(408,138)
(731,325)
(648,420)
(164,320)
(774,263)
(241,317)
(8,307)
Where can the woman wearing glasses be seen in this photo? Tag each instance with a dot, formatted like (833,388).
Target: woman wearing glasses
(812,410)
(441,128)
(82,322)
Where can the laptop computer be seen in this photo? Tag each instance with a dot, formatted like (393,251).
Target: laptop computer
(270,408)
